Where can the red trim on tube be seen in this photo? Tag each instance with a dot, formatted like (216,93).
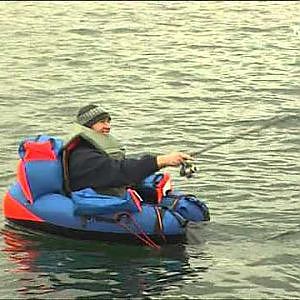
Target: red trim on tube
(136,198)
(22,179)
(160,188)
(14,210)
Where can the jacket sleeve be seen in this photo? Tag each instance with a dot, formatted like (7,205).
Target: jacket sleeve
(88,167)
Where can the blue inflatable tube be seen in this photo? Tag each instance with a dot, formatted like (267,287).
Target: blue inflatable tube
(151,213)
(69,217)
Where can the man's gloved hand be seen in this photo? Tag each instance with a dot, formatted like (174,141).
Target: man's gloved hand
(172,159)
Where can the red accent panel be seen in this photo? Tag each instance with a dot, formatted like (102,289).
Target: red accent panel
(73,144)
(22,179)
(38,151)
(136,198)
(14,210)
(160,186)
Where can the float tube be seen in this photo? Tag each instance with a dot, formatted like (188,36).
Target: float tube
(152,214)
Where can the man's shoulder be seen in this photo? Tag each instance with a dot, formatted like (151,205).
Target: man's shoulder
(84,147)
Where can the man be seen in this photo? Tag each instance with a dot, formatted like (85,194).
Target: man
(96,159)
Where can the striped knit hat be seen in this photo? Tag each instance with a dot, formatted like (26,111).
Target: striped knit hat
(91,114)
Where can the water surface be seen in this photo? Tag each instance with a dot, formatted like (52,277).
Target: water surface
(174,75)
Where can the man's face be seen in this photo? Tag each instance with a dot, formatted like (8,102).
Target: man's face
(102,126)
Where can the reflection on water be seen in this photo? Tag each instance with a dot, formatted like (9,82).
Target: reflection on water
(59,267)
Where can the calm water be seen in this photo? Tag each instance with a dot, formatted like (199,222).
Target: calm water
(174,75)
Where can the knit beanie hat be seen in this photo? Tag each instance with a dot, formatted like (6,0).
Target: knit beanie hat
(91,114)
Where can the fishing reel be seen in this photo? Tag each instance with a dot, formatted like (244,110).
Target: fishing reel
(187,169)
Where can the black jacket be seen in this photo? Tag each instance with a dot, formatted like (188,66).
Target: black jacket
(90,168)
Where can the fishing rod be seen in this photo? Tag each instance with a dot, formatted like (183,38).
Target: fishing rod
(187,169)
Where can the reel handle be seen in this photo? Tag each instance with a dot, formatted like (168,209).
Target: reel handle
(187,169)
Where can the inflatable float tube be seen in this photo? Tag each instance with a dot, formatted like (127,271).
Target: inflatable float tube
(153,214)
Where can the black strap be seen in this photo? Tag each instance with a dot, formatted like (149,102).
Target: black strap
(159,225)
(65,162)
(66,182)
(85,219)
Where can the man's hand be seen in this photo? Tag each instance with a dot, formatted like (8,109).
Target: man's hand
(172,159)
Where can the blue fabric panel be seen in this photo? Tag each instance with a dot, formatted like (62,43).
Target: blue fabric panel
(59,210)
(56,209)
(88,202)
(44,177)
(152,180)
(188,206)
(189,210)
(16,192)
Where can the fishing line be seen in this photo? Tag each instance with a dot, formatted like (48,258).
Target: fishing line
(187,169)
(241,135)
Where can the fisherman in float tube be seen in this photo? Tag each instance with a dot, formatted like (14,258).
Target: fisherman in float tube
(93,158)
